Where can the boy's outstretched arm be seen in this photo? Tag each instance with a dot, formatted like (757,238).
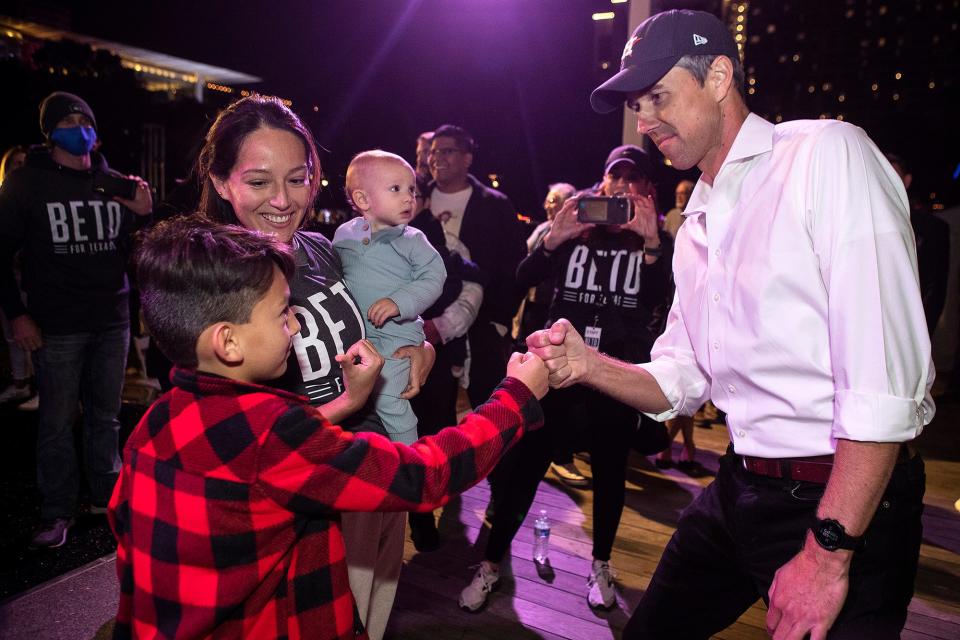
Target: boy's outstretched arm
(311,466)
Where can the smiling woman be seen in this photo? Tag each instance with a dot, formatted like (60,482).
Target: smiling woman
(260,169)
(268,187)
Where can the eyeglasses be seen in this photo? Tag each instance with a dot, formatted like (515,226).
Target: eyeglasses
(444,152)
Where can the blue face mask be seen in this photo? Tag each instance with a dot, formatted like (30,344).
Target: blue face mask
(77,141)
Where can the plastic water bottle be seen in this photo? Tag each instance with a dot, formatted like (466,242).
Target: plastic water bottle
(541,538)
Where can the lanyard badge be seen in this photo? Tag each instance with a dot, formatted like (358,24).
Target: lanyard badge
(591,334)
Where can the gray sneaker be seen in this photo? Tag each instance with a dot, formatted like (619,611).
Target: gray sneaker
(474,595)
(52,533)
(600,592)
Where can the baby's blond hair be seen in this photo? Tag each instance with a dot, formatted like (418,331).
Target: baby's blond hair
(363,164)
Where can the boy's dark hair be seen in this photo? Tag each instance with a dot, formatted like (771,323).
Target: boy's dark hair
(460,136)
(193,273)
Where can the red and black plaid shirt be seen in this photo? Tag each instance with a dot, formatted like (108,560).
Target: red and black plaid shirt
(226,508)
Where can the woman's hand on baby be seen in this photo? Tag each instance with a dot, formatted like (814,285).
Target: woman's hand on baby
(381,311)
(421,362)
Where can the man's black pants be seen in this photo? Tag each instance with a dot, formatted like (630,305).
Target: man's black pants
(732,539)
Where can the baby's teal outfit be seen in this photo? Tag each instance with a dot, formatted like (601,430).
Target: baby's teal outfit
(396,263)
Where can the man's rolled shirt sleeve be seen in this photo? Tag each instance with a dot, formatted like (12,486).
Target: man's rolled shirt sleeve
(858,217)
(673,364)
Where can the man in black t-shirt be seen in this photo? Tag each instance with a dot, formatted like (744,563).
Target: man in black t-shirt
(71,217)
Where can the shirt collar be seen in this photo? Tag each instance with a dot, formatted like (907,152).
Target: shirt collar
(754,138)
(204,383)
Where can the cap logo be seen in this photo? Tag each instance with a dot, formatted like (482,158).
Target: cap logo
(628,48)
(698,40)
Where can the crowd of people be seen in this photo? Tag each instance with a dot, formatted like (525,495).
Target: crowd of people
(312,403)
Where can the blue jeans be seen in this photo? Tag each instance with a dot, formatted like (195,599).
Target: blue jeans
(89,368)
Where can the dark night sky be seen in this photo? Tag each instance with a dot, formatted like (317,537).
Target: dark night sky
(518,73)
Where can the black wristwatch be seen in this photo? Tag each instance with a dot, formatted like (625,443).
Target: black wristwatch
(654,252)
(831,535)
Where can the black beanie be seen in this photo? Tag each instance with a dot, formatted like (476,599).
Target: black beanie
(57,106)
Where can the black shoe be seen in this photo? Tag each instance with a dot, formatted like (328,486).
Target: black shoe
(51,533)
(662,463)
(692,468)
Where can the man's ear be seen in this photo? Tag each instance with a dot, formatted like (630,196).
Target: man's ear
(224,342)
(720,77)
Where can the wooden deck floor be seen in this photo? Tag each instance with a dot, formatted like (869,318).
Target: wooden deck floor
(530,606)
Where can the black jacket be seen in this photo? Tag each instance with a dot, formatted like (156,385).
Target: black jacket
(74,245)
(497,243)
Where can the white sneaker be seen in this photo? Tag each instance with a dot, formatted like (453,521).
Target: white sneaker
(30,405)
(600,593)
(475,594)
(14,393)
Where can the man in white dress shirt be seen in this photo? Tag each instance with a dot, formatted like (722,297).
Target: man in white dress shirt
(797,311)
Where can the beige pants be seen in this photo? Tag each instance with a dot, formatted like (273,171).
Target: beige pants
(374,543)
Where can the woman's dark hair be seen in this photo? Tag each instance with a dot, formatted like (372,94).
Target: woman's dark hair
(222,146)
(193,273)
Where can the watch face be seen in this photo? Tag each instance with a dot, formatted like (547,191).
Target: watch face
(828,535)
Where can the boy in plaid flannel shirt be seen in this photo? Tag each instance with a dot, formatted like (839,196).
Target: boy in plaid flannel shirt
(226,510)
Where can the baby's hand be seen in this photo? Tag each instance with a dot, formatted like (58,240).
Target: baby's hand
(381,311)
(530,370)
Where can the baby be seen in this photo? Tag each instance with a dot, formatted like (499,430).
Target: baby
(392,271)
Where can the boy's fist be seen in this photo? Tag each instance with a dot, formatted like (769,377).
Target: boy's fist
(530,370)
(361,365)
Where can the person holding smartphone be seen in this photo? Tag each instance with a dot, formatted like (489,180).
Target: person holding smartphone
(613,284)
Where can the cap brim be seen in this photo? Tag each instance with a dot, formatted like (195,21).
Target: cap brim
(611,165)
(611,94)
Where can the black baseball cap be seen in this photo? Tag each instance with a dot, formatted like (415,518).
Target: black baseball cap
(629,153)
(655,46)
